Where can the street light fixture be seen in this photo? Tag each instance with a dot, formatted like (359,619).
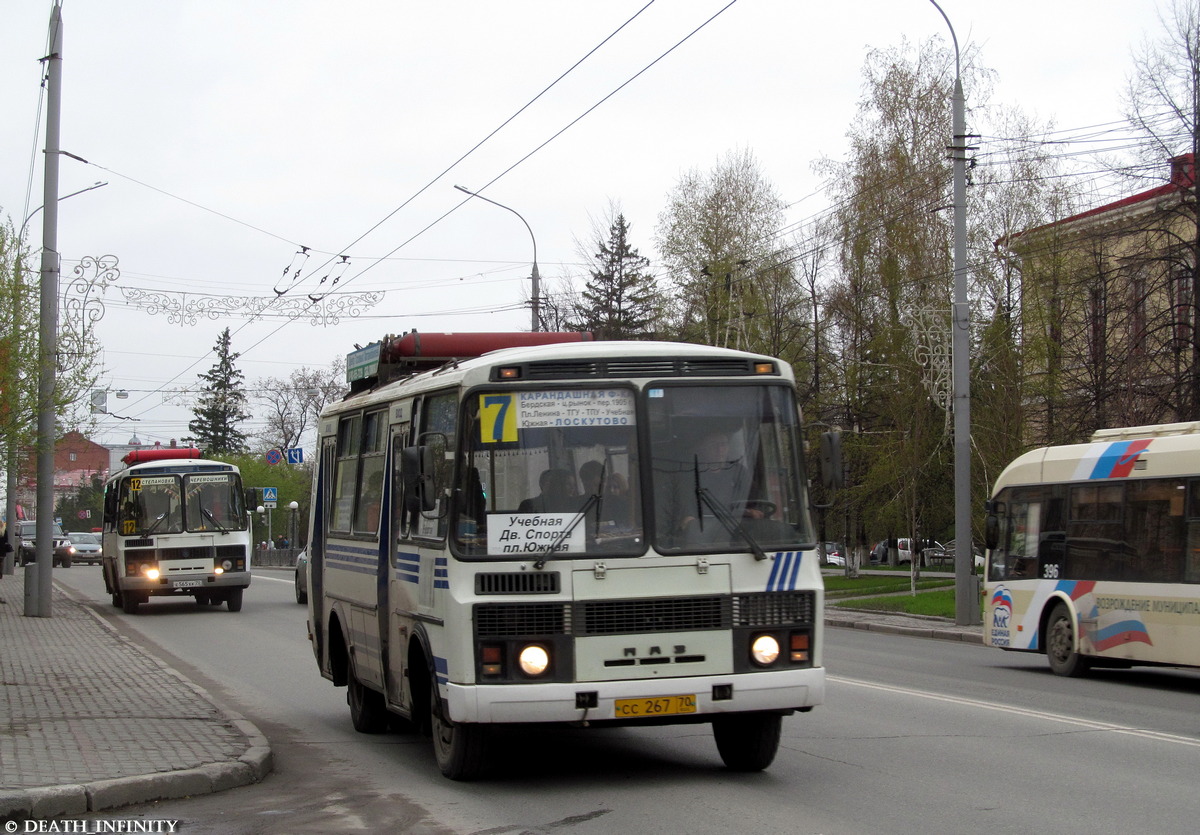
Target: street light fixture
(294,539)
(534,276)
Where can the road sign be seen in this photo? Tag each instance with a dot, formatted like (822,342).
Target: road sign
(295,455)
(274,456)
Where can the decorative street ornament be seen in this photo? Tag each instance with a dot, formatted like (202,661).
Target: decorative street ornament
(82,307)
(932,351)
(189,309)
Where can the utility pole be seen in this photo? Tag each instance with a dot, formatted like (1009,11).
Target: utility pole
(966,592)
(37,600)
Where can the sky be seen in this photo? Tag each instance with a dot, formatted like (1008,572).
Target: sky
(234,134)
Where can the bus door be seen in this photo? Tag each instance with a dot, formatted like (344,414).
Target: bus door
(403,564)
(316,545)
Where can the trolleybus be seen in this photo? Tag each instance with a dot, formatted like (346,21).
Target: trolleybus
(1094,551)
(175,525)
(566,531)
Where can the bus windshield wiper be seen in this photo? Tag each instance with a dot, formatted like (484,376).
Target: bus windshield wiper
(154,527)
(208,514)
(592,501)
(724,516)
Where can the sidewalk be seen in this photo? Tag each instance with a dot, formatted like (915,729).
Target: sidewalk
(89,721)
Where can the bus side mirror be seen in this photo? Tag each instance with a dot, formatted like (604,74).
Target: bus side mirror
(420,472)
(418,493)
(832,476)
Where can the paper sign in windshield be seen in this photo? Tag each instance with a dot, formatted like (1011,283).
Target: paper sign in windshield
(532,534)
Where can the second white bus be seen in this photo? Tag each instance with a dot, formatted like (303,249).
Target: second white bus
(175,525)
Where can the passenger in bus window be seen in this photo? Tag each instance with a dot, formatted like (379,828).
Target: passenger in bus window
(557,495)
(611,490)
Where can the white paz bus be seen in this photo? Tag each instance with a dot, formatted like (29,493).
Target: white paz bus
(1094,551)
(566,532)
(175,525)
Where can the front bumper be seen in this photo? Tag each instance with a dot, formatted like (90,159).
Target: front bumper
(556,702)
(187,584)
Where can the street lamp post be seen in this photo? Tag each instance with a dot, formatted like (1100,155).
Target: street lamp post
(534,275)
(966,597)
(293,540)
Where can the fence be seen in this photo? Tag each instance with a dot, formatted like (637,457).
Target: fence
(274,557)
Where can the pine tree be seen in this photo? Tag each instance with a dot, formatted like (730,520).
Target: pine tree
(618,300)
(222,405)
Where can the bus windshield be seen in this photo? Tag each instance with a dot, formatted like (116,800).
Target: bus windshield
(726,469)
(172,503)
(549,473)
(556,473)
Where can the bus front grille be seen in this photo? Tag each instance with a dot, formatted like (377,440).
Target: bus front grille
(645,615)
(649,615)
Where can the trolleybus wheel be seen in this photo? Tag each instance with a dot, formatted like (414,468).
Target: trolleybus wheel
(749,741)
(368,713)
(1060,644)
(460,749)
(234,600)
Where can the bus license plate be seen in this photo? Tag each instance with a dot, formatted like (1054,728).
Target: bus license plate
(184,584)
(658,706)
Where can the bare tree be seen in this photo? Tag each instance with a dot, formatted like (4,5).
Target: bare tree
(291,407)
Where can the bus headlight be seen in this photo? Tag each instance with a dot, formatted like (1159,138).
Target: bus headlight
(764,650)
(151,572)
(534,660)
(227,565)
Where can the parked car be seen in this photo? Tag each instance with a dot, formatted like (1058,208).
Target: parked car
(87,547)
(64,551)
(302,577)
(931,551)
(976,553)
(832,554)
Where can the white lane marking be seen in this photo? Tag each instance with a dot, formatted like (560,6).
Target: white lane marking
(1075,721)
(276,579)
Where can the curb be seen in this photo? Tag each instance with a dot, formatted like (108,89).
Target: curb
(938,630)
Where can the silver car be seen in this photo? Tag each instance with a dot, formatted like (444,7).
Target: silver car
(87,546)
(302,577)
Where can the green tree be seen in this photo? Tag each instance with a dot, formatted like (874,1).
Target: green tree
(221,406)
(717,240)
(618,301)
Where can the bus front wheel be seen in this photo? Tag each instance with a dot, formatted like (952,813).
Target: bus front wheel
(460,748)
(1060,644)
(749,741)
(234,600)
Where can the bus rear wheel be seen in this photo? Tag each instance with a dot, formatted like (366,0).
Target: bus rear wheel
(460,749)
(1060,644)
(749,741)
